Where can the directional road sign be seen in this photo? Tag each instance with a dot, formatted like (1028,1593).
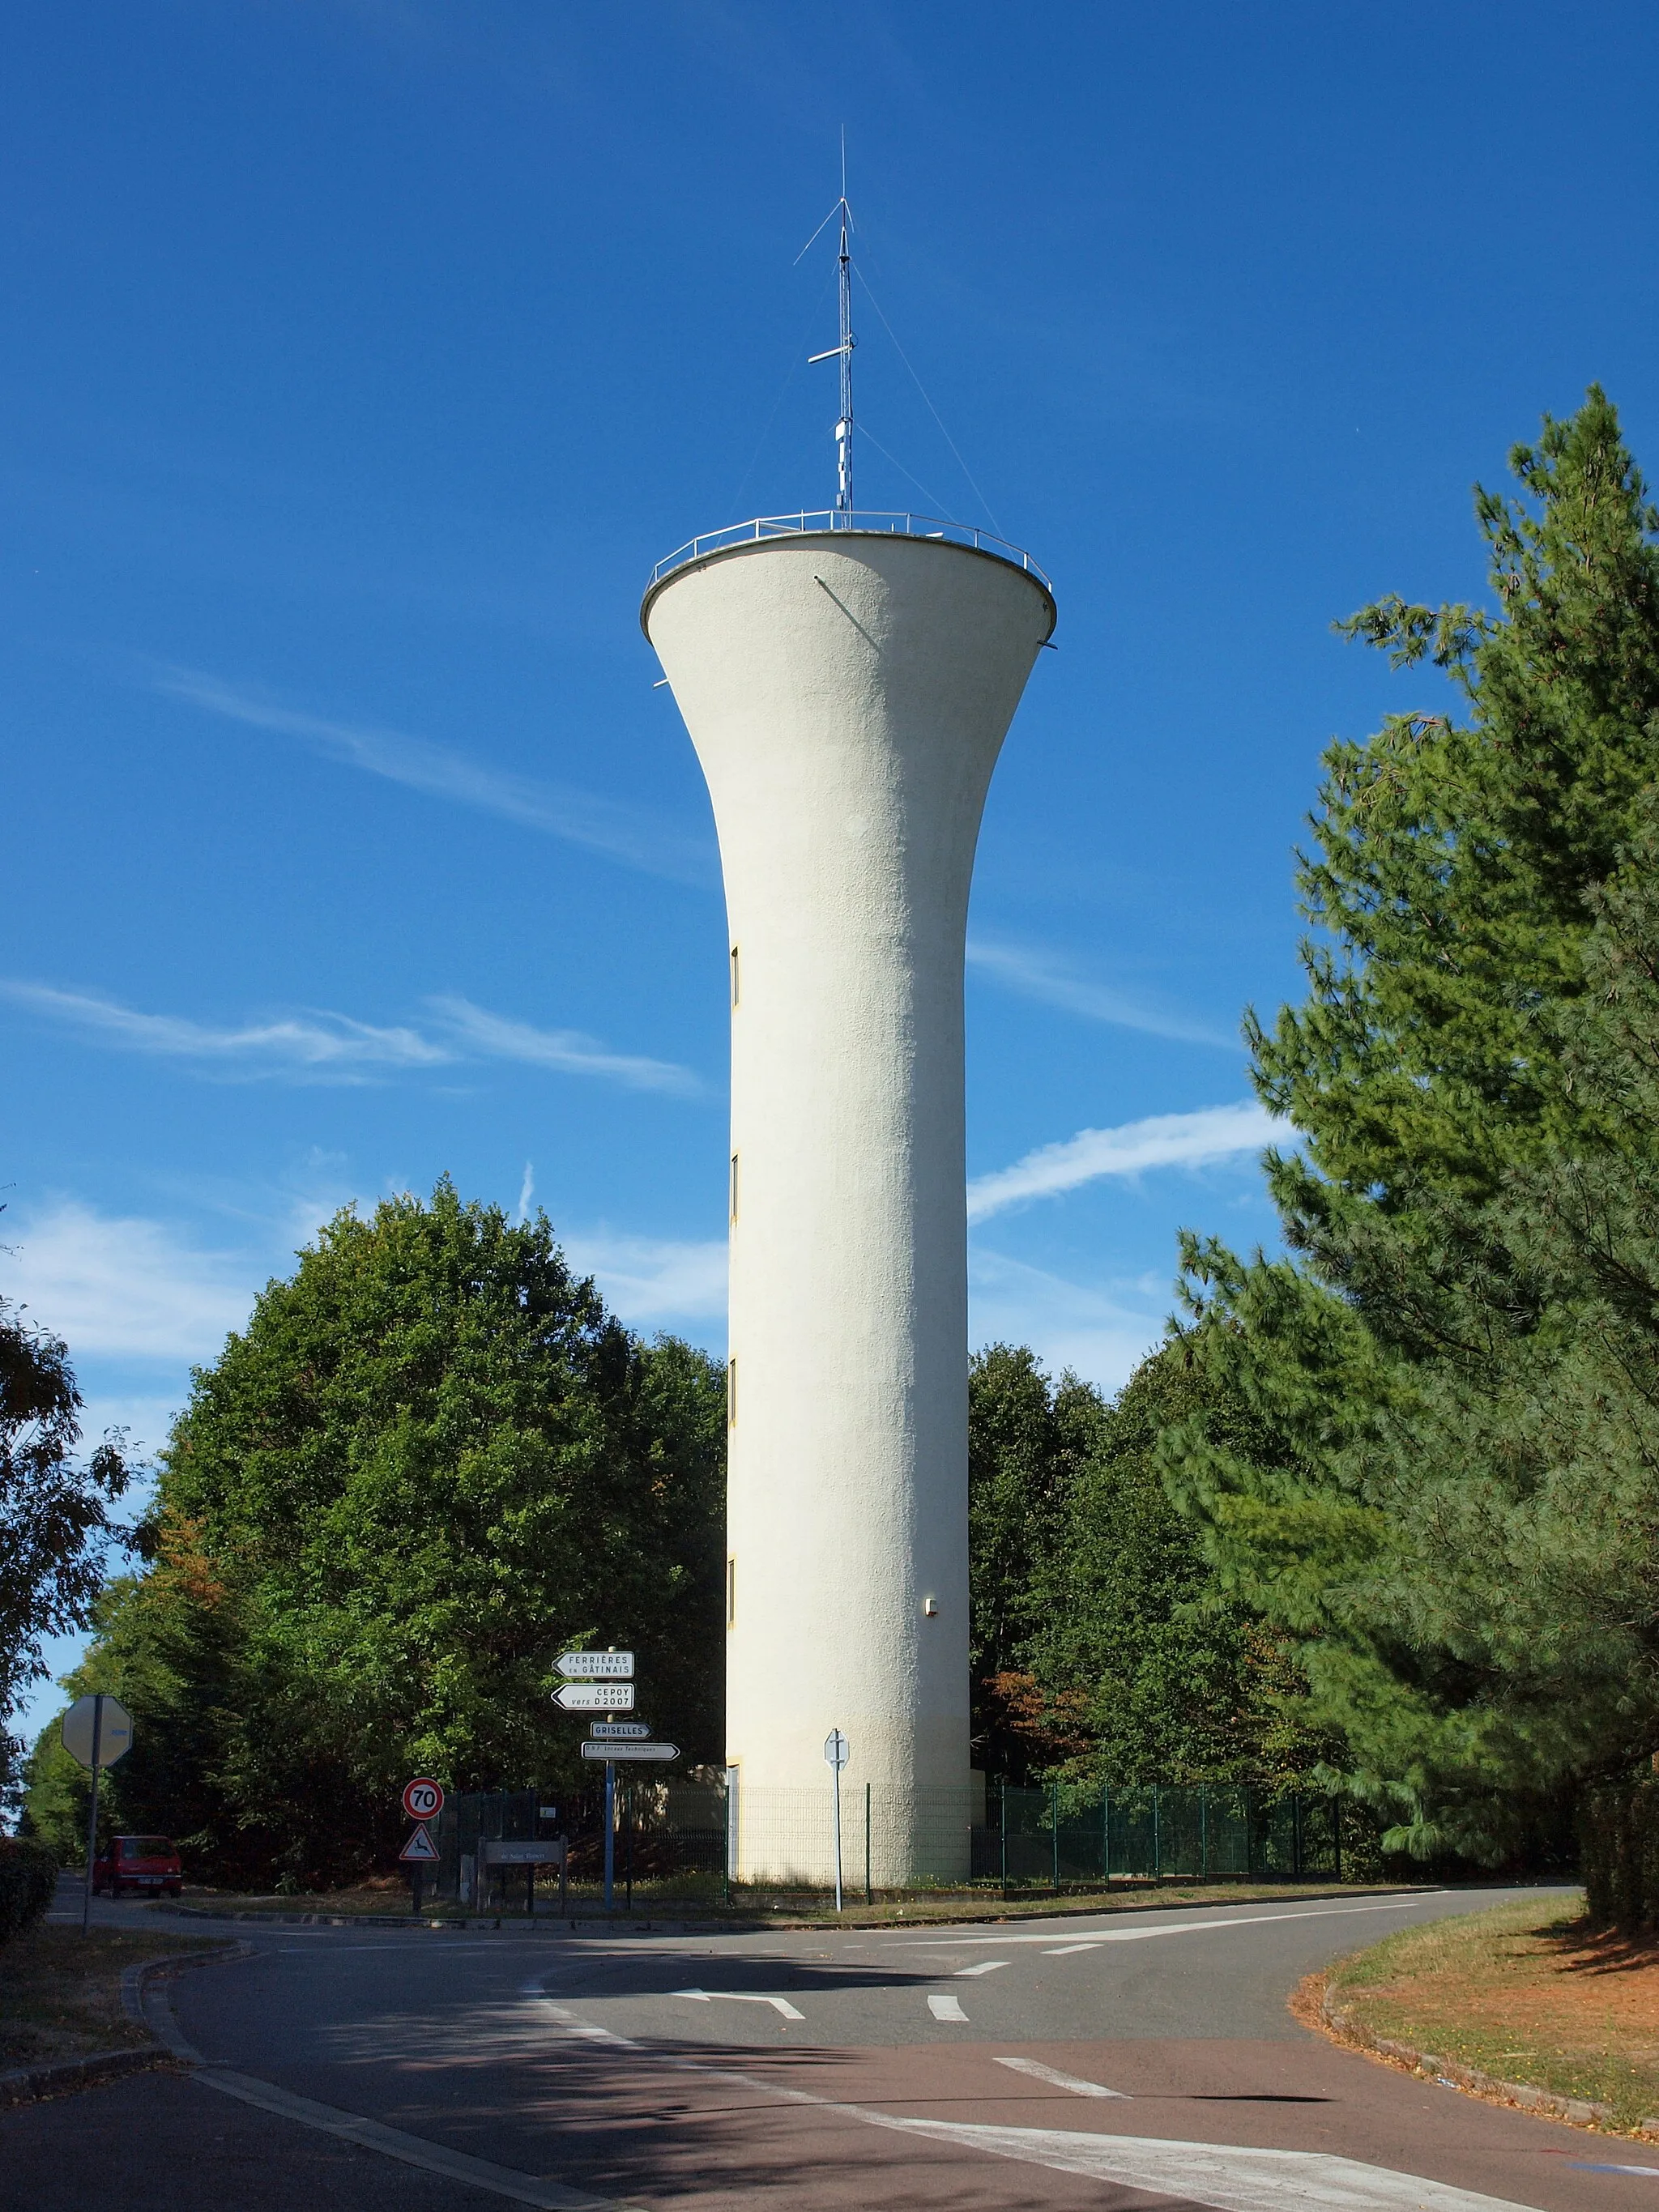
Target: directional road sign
(620,1729)
(596,1666)
(114,1736)
(595,1697)
(420,1848)
(592,1750)
(423,1799)
(835,1750)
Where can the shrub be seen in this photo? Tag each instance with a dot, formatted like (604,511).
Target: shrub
(28,1875)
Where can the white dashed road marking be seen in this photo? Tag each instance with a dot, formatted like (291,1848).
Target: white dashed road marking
(1204,1927)
(1222,2175)
(947,2009)
(986,1966)
(1039,2072)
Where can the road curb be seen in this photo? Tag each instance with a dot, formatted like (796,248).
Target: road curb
(553,1924)
(134,1978)
(1577,2111)
(23,2085)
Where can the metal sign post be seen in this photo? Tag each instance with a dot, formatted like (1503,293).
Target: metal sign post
(835,1755)
(92,1818)
(602,1682)
(610,1832)
(417,1853)
(96,1731)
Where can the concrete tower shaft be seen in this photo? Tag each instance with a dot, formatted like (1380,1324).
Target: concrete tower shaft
(847,693)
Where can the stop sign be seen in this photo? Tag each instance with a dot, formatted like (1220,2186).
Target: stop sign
(422,1799)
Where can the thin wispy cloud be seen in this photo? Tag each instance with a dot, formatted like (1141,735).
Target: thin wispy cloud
(123,1288)
(494,1037)
(652,1278)
(320,1040)
(581,817)
(1163,1140)
(527,1192)
(1101,1334)
(1042,976)
(318,1046)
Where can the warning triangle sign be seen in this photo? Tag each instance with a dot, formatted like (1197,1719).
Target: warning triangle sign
(419,1844)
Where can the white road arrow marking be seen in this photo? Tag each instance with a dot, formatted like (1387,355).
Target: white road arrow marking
(986,1966)
(1039,2072)
(743,1997)
(946,2008)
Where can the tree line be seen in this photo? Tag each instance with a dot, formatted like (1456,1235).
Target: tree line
(1381,1510)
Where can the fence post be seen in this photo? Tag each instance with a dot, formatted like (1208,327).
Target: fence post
(1203,1832)
(1296,1835)
(1105,1834)
(1336,1830)
(1053,1829)
(1157,1840)
(869,1893)
(731,1874)
(1002,1814)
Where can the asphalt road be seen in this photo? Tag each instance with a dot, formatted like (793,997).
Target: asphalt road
(1122,2064)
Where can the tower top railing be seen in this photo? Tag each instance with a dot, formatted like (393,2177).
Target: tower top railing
(830,519)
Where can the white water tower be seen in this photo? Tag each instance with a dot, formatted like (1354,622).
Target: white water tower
(847,681)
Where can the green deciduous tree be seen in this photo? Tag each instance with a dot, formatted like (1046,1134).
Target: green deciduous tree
(54,1510)
(429,1463)
(1104,1647)
(1452,1497)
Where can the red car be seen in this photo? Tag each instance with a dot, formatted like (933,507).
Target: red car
(144,1863)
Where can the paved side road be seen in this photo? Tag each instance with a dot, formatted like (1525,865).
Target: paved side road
(1121,2064)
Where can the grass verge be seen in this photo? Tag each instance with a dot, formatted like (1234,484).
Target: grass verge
(1525,1994)
(60,1992)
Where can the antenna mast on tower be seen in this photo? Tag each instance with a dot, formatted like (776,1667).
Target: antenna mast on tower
(844,349)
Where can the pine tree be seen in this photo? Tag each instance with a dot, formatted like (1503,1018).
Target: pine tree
(1452,1497)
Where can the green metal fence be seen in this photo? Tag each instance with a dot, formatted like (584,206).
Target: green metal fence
(702,1836)
(1157,1830)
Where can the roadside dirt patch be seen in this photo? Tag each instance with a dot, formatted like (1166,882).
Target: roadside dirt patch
(60,1992)
(1524,1994)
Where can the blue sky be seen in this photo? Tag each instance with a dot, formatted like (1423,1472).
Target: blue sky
(362,358)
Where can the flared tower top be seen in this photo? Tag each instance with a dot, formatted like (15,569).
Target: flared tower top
(832,522)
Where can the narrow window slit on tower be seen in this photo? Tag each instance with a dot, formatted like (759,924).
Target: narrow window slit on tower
(734,974)
(734,1186)
(732,1391)
(731,1593)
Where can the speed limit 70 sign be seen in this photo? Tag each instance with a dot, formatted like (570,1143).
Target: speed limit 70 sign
(422,1799)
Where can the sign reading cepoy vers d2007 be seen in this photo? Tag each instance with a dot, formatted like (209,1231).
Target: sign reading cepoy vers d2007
(596,1666)
(422,1798)
(595,1697)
